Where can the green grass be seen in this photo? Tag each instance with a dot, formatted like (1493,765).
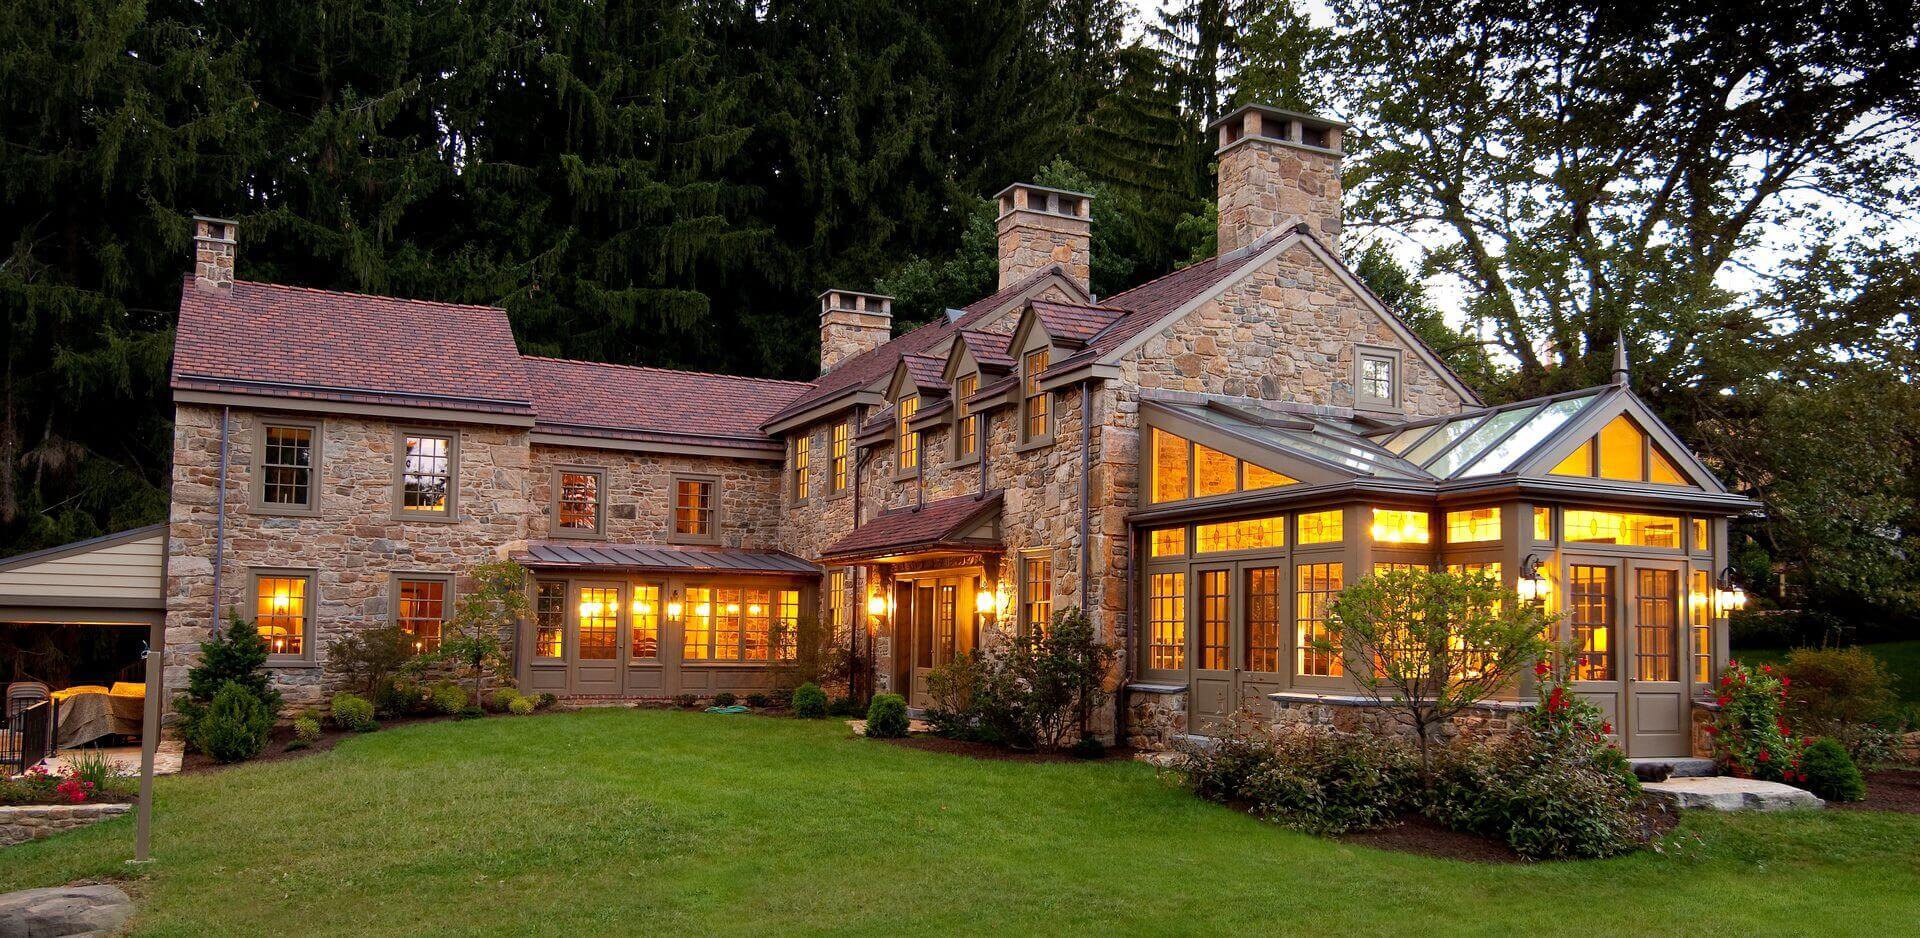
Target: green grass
(1903,658)
(662,822)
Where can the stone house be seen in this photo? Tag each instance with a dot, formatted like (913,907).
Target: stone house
(1200,462)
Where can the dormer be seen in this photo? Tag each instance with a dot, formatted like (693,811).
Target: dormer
(976,360)
(916,388)
(1047,334)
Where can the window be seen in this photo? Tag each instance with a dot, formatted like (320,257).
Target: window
(420,610)
(838,584)
(1702,540)
(802,476)
(695,501)
(1168,542)
(1385,566)
(1167,621)
(282,607)
(1263,619)
(1315,588)
(786,625)
(909,440)
(426,470)
(1473,526)
(1656,628)
(1590,596)
(1184,469)
(1619,527)
(549,619)
(289,453)
(1622,450)
(732,623)
(599,623)
(1250,534)
(579,497)
(1399,526)
(966,424)
(1377,383)
(1216,605)
(646,621)
(698,644)
(1485,568)
(1322,527)
(1036,404)
(1036,594)
(1543,524)
(1700,617)
(840,433)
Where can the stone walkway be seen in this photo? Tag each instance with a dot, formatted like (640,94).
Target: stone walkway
(126,759)
(1723,793)
(64,910)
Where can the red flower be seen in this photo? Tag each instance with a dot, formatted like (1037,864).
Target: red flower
(1605,727)
(1763,756)
(1785,681)
(1724,700)
(1767,668)
(1541,669)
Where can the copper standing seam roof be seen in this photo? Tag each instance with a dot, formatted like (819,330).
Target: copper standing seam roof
(936,524)
(549,555)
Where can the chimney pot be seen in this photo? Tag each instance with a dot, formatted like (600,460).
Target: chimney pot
(1041,227)
(1275,165)
(852,324)
(214,250)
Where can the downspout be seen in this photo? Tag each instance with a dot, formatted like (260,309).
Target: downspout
(220,517)
(1086,467)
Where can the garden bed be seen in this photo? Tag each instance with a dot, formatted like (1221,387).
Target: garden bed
(277,741)
(1896,790)
(927,742)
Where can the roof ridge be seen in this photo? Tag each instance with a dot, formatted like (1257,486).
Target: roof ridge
(368,296)
(670,371)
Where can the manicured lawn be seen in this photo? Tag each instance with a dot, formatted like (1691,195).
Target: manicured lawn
(621,821)
(1903,658)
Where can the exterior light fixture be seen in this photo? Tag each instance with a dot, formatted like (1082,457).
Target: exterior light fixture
(876,605)
(985,602)
(1533,585)
(1729,596)
(674,606)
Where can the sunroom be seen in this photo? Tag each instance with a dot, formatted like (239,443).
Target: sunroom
(1254,517)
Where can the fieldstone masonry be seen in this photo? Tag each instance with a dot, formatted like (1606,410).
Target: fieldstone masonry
(21,823)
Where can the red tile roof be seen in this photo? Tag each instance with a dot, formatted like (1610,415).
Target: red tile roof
(925,370)
(1147,303)
(1070,325)
(626,400)
(280,341)
(936,524)
(991,350)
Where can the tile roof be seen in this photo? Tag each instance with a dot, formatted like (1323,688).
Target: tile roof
(603,556)
(281,341)
(925,370)
(1070,325)
(626,400)
(936,524)
(991,350)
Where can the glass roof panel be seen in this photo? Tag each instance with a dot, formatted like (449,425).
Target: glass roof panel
(1406,438)
(1550,418)
(1470,448)
(1441,438)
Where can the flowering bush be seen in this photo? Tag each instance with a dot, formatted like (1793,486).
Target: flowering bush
(1305,778)
(1567,723)
(91,780)
(1751,738)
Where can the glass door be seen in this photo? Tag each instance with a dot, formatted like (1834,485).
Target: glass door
(1593,634)
(1261,635)
(1213,694)
(597,639)
(1656,686)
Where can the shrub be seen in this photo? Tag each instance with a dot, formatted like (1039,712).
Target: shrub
(724,699)
(449,698)
(235,725)
(1751,738)
(759,701)
(685,701)
(1066,672)
(809,701)
(501,700)
(843,707)
(1828,771)
(1846,694)
(1547,802)
(371,660)
(545,700)
(399,697)
(469,712)
(306,731)
(887,717)
(1306,779)
(521,706)
(1039,690)
(100,779)
(353,713)
(1574,727)
(1089,747)
(236,654)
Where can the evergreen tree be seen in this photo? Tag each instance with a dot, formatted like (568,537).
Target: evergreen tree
(235,655)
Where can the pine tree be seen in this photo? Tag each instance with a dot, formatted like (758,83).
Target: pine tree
(237,655)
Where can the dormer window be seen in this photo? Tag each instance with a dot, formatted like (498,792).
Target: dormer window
(909,440)
(966,423)
(1036,404)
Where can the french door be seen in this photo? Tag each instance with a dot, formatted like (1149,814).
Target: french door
(937,622)
(1624,620)
(1240,640)
(597,635)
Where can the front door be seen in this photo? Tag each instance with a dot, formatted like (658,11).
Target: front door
(596,638)
(1213,694)
(941,628)
(1656,689)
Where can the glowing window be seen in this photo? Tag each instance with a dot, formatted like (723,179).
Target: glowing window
(786,625)
(646,621)
(1183,469)
(1474,525)
(966,424)
(1316,585)
(1322,527)
(1578,463)
(287,467)
(1214,472)
(1167,621)
(693,505)
(1700,617)
(1168,542)
(599,623)
(1662,470)
(1656,627)
(1170,467)
(840,434)
(698,642)
(1399,526)
(281,613)
(1037,402)
(1036,594)
(1260,477)
(1701,539)
(420,610)
(1215,608)
(909,440)
(1543,524)
(1590,599)
(1265,634)
(1249,534)
(1622,450)
(803,468)
(426,474)
(549,619)
(1625,528)
(577,503)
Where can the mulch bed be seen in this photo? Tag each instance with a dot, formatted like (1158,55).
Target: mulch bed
(1417,834)
(277,750)
(955,747)
(1896,790)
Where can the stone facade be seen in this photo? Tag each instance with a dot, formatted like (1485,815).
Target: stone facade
(640,493)
(1271,169)
(1040,228)
(21,823)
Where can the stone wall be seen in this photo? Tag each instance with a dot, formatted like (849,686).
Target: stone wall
(21,823)
(640,494)
(1357,715)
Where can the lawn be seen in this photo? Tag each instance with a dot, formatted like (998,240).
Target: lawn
(1902,658)
(623,821)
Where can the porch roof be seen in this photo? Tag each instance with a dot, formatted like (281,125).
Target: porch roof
(582,555)
(950,523)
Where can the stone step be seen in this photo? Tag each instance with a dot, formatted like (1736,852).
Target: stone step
(1682,768)
(1723,793)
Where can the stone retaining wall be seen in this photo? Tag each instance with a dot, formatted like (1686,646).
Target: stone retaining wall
(21,823)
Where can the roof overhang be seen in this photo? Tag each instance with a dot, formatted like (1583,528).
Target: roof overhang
(869,395)
(381,407)
(658,558)
(662,443)
(962,524)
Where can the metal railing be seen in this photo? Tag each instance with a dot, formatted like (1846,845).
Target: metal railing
(28,737)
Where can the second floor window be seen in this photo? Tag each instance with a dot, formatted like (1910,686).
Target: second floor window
(426,474)
(286,467)
(966,424)
(909,440)
(693,504)
(1036,402)
(577,503)
(840,433)
(802,472)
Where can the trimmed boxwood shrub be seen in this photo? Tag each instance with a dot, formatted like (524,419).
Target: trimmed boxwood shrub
(759,701)
(843,707)
(809,701)
(1827,771)
(235,725)
(501,700)
(521,706)
(887,717)
(685,701)
(1307,779)
(306,731)
(725,699)
(449,698)
(353,712)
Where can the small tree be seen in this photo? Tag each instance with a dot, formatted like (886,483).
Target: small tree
(494,607)
(1067,671)
(370,660)
(1431,645)
(235,657)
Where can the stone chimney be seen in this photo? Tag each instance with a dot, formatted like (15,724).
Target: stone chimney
(1275,165)
(852,324)
(213,252)
(1040,227)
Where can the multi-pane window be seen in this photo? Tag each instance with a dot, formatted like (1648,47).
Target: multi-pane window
(966,423)
(1621,450)
(802,468)
(646,621)
(1700,617)
(1248,534)
(1377,380)
(731,623)
(549,619)
(599,623)
(1036,403)
(1543,524)
(840,433)
(698,643)
(1264,632)
(1182,469)
(1400,526)
(577,503)
(1473,525)
(1702,539)
(1590,601)
(786,625)
(421,611)
(1167,621)
(909,440)
(1322,527)
(286,467)
(1315,587)
(693,508)
(837,587)
(1215,608)
(1656,628)
(1621,527)
(1036,594)
(426,474)
(281,612)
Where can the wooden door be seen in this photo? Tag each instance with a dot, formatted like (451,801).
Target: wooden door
(1213,694)
(1260,634)
(598,635)
(1593,628)
(1656,689)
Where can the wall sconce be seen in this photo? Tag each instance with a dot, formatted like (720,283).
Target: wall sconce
(675,606)
(1533,585)
(1728,596)
(876,605)
(985,602)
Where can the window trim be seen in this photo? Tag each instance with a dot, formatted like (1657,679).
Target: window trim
(713,509)
(308,638)
(257,498)
(400,510)
(800,473)
(447,597)
(1364,401)
(959,420)
(534,658)
(554,529)
(1025,557)
(900,434)
(1029,380)
(840,457)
